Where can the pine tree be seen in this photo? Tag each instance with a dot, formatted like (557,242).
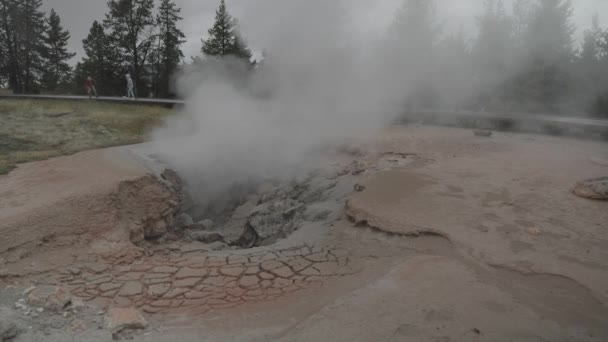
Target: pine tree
(168,52)
(56,70)
(131,23)
(413,39)
(31,48)
(592,41)
(550,33)
(224,37)
(102,62)
(494,52)
(11,64)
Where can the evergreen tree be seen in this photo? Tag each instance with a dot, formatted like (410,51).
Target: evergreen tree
(224,38)
(168,52)
(56,70)
(550,34)
(102,62)
(131,23)
(10,65)
(31,48)
(493,53)
(413,39)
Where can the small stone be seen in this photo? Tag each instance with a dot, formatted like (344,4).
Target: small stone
(119,319)
(534,231)
(74,271)
(206,224)
(9,331)
(359,188)
(483,133)
(28,290)
(182,221)
(51,297)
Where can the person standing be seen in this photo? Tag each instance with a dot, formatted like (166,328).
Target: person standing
(89,85)
(130,93)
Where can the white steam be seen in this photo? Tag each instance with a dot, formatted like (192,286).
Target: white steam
(312,91)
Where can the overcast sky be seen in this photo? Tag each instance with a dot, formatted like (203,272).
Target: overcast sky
(369,16)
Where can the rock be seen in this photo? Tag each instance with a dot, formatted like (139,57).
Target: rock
(50,297)
(236,231)
(119,319)
(204,237)
(172,178)
(483,133)
(206,224)
(29,290)
(596,189)
(8,331)
(155,230)
(74,271)
(216,246)
(182,221)
(359,188)
(534,231)
(146,204)
(276,219)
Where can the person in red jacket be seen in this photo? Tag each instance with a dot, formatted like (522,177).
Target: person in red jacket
(89,85)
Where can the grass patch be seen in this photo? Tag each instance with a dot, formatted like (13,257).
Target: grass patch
(37,129)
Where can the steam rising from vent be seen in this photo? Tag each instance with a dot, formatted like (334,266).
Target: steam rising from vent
(313,90)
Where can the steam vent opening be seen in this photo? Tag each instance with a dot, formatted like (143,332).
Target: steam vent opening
(259,213)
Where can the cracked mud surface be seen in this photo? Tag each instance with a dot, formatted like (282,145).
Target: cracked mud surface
(445,237)
(203,282)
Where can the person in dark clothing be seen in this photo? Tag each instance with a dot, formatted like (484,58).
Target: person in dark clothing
(89,85)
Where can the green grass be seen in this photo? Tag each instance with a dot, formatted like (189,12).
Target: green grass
(37,129)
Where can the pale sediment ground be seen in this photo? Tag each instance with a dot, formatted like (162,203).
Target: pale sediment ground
(458,238)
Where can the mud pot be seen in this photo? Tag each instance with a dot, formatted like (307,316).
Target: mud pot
(416,234)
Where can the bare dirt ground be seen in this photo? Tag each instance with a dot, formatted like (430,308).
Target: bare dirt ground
(436,235)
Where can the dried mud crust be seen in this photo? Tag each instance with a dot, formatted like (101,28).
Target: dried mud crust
(201,282)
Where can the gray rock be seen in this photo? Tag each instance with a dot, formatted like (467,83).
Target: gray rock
(276,219)
(236,231)
(172,178)
(596,189)
(206,224)
(8,331)
(182,221)
(50,297)
(203,236)
(216,246)
(359,188)
(483,133)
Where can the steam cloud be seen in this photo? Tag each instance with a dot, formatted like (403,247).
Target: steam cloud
(314,90)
